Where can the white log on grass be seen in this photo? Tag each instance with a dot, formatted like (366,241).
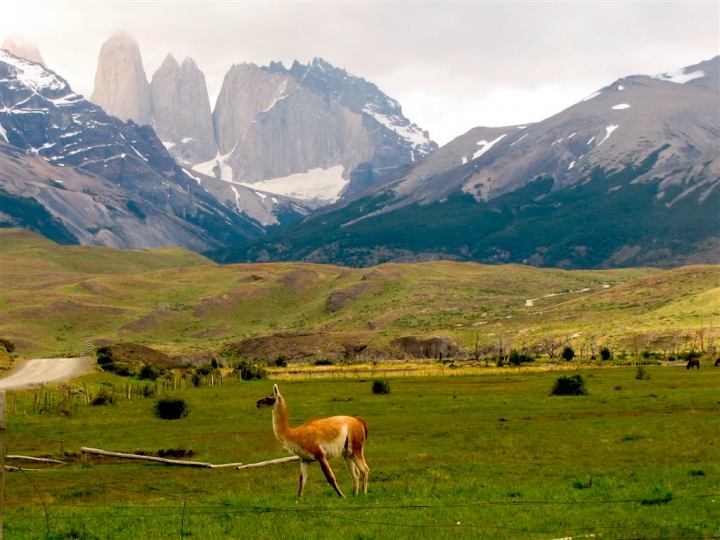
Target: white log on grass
(30,458)
(270,462)
(95,451)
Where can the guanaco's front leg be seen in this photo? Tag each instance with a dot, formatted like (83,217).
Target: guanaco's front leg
(329,475)
(303,476)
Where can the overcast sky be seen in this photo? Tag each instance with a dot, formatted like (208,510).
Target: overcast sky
(451,65)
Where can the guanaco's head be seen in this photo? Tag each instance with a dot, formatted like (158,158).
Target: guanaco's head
(270,400)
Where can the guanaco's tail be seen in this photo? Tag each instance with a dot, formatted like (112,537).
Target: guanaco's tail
(364,425)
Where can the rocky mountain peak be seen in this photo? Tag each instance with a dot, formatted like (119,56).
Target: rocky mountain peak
(181,111)
(23,49)
(121,87)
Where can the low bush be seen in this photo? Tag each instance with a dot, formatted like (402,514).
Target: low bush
(517,359)
(606,353)
(281,361)
(249,371)
(103,397)
(9,345)
(569,386)
(149,372)
(642,374)
(323,362)
(170,408)
(380,387)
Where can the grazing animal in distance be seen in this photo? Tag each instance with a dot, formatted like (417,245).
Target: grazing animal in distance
(693,362)
(717,362)
(321,440)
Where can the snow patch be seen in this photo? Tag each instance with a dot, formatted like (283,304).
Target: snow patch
(196,178)
(219,160)
(410,132)
(464,160)
(315,184)
(186,139)
(571,136)
(621,106)
(31,74)
(3,133)
(571,165)
(485,146)
(591,140)
(621,87)
(237,197)
(167,145)
(679,76)
(261,195)
(520,139)
(608,132)
(596,94)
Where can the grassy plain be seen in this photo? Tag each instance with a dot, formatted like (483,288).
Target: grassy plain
(485,456)
(53,298)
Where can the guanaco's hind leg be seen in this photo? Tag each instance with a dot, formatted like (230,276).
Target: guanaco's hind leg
(353,472)
(359,459)
(329,475)
(303,476)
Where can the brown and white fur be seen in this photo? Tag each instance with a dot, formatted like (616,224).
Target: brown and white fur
(321,440)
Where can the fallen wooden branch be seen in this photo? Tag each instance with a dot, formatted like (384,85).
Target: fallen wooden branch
(11,468)
(30,458)
(271,462)
(158,459)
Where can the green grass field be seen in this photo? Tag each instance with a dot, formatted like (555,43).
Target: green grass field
(490,456)
(53,298)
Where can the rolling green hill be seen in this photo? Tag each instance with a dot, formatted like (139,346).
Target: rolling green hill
(54,298)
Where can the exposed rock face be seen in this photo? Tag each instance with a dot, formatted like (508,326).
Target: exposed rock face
(432,347)
(296,139)
(108,182)
(23,49)
(181,111)
(304,347)
(121,87)
(273,128)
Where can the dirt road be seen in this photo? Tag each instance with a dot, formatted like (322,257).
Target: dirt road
(45,370)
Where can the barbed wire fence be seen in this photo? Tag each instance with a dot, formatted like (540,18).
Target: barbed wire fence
(47,512)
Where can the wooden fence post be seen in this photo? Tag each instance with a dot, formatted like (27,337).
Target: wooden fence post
(2,411)
(3,452)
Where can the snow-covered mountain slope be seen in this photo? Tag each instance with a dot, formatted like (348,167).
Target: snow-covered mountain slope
(628,176)
(43,117)
(619,125)
(315,125)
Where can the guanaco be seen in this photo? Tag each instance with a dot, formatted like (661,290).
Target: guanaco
(320,440)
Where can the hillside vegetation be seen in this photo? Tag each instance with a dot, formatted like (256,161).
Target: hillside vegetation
(54,298)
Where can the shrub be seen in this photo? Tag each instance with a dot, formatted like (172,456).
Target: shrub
(9,345)
(323,362)
(249,371)
(122,369)
(569,386)
(149,372)
(203,370)
(516,358)
(103,397)
(606,353)
(380,387)
(568,353)
(642,374)
(170,408)
(281,361)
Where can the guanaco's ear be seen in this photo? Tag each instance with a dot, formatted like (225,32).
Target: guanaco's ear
(276,391)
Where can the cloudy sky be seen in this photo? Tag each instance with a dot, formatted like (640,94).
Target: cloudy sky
(451,65)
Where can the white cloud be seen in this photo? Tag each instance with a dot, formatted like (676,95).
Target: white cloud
(452,66)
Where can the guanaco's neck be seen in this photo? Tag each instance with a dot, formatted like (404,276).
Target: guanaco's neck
(281,422)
